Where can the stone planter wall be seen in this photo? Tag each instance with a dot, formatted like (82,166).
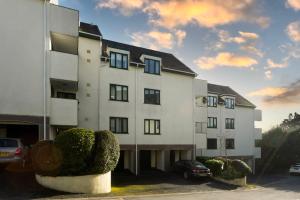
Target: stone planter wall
(89,184)
(237,181)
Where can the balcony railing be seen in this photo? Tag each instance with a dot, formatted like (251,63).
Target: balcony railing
(63,66)
(64,112)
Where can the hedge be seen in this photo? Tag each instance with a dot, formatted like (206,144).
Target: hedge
(241,167)
(105,153)
(215,166)
(76,146)
(46,158)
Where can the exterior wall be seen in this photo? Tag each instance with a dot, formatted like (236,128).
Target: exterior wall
(88,85)
(174,112)
(21,73)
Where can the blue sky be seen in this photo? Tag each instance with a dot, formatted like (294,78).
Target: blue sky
(252,46)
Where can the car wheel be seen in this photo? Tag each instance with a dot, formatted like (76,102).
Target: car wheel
(186,175)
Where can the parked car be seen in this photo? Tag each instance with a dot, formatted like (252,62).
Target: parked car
(191,168)
(11,150)
(295,169)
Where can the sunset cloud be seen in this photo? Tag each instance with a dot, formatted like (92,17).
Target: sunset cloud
(225,59)
(126,7)
(273,65)
(280,95)
(206,13)
(158,40)
(268,92)
(295,4)
(293,31)
(268,74)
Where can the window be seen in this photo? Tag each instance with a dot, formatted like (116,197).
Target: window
(152,127)
(229,103)
(229,123)
(212,122)
(66,95)
(212,101)
(118,92)
(118,60)
(152,66)
(151,96)
(212,143)
(229,143)
(200,127)
(119,125)
(258,143)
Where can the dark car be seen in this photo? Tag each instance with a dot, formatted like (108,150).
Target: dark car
(191,168)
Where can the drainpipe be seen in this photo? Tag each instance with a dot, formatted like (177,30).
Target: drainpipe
(135,114)
(45,71)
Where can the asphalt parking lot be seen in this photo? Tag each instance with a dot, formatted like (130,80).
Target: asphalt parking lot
(22,185)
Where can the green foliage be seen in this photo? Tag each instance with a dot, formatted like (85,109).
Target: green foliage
(203,159)
(226,161)
(279,149)
(230,173)
(46,158)
(76,145)
(241,167)
(215,166)
(105,152)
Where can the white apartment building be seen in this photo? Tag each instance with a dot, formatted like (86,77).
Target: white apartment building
(63,74)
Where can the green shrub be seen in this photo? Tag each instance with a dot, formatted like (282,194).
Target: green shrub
(215,166)
(226,161)
(76,145)
(241,167)
(46,158)
(230,173)
(105,153)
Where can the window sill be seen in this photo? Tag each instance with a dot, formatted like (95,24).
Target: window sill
(121,133)
(151,73)
(151,134)
(118,100)
(152,104)
(119,68)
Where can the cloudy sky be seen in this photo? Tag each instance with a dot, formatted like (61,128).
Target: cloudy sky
(252,46)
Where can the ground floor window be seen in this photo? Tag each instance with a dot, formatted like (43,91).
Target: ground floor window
(212,143)
(119,125)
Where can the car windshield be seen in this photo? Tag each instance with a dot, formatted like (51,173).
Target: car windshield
(8,143)
(196,164)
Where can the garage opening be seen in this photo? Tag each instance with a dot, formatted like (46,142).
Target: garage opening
(145,160)
(120,165)
(29,134)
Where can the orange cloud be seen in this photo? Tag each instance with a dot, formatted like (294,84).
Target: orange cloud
(293,31)
(295,4)
(158,40)
(268,91)
(207,13)
(225,59)
(248,35)
(272,64)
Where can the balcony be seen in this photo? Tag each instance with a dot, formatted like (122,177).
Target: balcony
(257,133)
(63,66)
(63,20)
(257,115)
(257,152)
(64,112)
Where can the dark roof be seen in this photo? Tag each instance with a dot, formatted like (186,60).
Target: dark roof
(225,90)
(169,62)
(89,29)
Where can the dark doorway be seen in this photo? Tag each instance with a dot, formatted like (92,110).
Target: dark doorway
(120,165)
(145,160)
(172,157)
(29,134)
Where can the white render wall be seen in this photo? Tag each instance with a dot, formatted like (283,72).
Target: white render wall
(88,85)
(175,111)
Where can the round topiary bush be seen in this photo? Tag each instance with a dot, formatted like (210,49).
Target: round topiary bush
(76,146)
(215,166)
(230,173)
(226,161)
(105,153)
(46,158)
(241,167)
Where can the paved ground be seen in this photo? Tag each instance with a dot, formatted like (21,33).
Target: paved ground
(22,185)
(283,188)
